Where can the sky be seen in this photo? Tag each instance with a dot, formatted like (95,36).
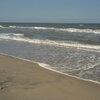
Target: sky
(50,11)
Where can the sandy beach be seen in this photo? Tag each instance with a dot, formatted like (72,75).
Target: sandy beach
(23,80)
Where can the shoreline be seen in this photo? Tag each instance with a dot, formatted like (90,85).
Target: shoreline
(24,80)
(43,65)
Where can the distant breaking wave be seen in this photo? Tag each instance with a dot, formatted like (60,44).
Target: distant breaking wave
(70,30)
(56,29)
(20,37)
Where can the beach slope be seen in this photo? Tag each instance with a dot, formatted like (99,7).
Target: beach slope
(23,80)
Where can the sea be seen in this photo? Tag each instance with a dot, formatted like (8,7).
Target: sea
(71,48)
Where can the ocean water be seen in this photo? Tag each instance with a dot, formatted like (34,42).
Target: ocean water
(68,48)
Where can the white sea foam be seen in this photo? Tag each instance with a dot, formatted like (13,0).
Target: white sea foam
(12,26)
(20,37)
(48,67)
(81,30)
(1,26)
(57,29)
(18,34)
(69,30)
(7,26)
(43,28)
(81,25)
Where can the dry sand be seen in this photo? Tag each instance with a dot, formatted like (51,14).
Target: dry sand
(23,80)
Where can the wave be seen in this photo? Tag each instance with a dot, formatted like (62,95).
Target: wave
(7,27)
(11,36)
(70,30)
(44,28)
(2,26)
(12,26)
(96,31)
(20,37)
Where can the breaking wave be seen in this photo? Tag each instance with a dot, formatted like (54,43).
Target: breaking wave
(70,30)
(96,31)
(20,37)
(1,26)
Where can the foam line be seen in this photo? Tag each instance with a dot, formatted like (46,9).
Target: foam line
(45,66)
(96,31)
(20,37)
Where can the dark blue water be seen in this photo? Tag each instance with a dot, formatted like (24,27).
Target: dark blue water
(69,48)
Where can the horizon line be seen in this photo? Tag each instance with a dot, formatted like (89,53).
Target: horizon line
(52,22)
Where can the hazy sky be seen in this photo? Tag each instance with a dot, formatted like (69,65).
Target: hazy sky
(68,11)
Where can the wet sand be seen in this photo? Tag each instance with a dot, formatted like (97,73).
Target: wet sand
(23,80)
